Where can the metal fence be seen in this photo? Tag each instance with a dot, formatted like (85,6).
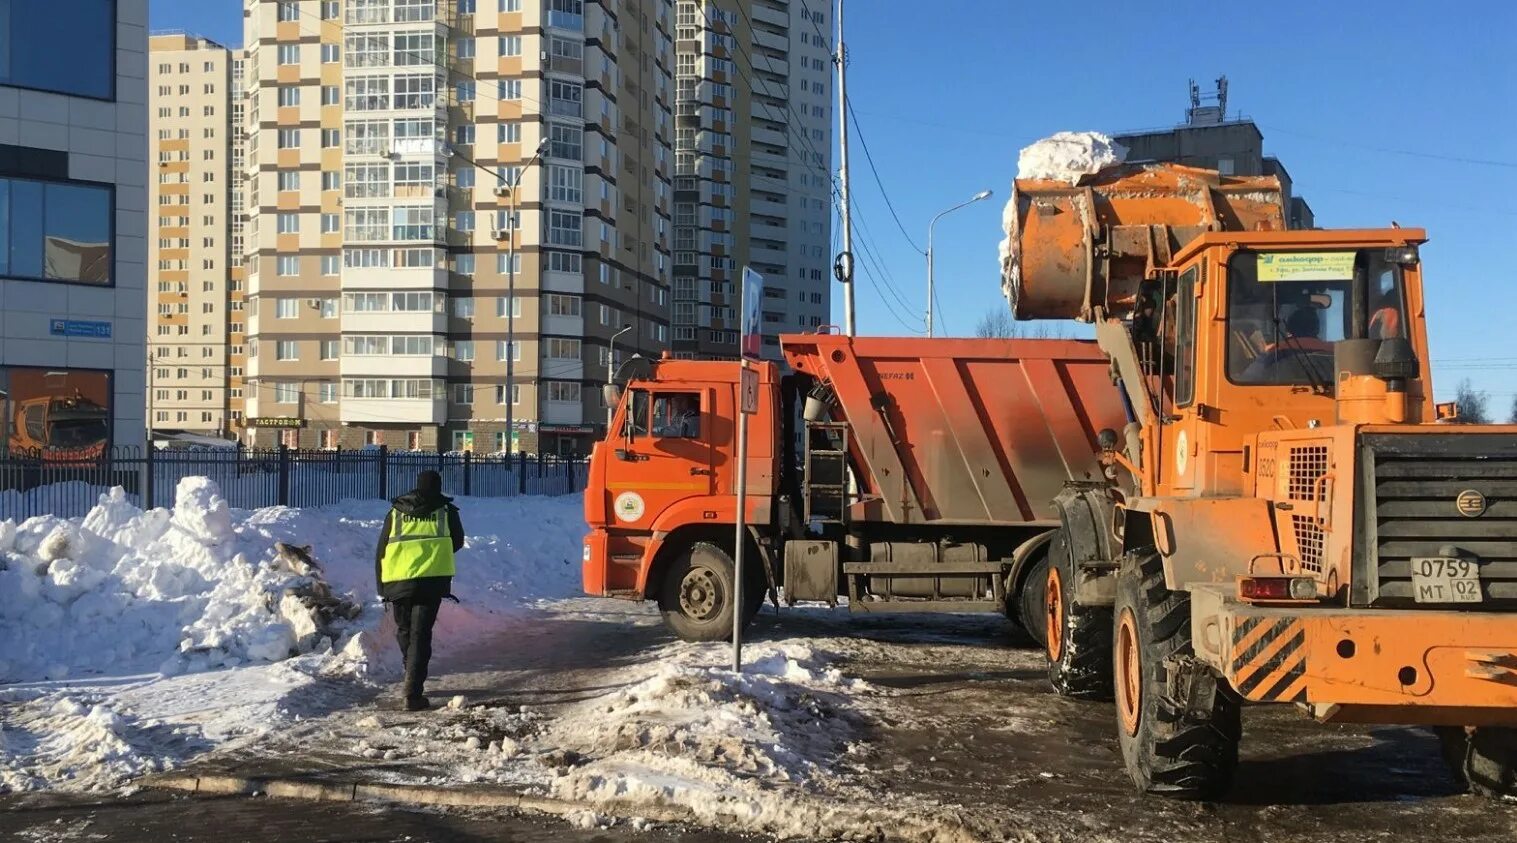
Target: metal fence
(39,484)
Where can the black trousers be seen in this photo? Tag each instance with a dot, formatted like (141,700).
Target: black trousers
(414,618)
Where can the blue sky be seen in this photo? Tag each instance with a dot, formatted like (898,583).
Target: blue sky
(1379,112)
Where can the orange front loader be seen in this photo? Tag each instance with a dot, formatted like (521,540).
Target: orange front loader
(1288,520)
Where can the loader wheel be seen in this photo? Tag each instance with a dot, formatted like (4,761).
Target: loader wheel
(1166,751)
(1483,758)
(696,596)
(1077,639)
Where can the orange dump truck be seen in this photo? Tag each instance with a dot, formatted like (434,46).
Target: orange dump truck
(1242,492)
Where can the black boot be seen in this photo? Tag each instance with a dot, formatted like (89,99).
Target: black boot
(417,704)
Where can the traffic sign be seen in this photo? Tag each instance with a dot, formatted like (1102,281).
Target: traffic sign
(748,389)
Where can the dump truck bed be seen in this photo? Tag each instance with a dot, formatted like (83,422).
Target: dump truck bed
(971,431)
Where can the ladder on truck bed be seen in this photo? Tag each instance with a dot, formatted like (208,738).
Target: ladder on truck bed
(824,478)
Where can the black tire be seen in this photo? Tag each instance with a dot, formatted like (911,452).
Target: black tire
(1484,759)
(1076,639)
(1025,605)
(1165,751)
(696,596)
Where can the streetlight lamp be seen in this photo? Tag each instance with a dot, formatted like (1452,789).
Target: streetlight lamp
(611,361)
(507,188)
(984,194)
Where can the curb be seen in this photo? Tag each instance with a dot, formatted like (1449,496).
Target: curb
(408,794)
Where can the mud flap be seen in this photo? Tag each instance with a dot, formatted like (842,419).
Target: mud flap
(766,554)
(1085,510)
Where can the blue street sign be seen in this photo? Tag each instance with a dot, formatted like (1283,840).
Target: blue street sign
(79,328)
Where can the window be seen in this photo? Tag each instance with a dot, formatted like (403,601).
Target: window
(289,54)
(331,95)
(288,11)
(565,142)
(287,308)
(677,415)
(329,9)
(331,138)
(288,223)
(464,135)
(465,45)
(463,221)
(510,89)
(464,264)
(463,440)
(564,98)
(329,349)
(328,53)
(562,390)
(514,266)
(510,45)
(35,40)
(289,96)
(561,305)
(500,307)
(463,350)
(331,224)
(288,265)
(412,223)
(463,393)
(289,139)
(564,184)
(509,132)
(510,5)
(367,93)
(564,228)
(56,231)
(560,348)
(289,180)
(328,307)
(463,308)
(327,393)
(415,91)
(501,347)
(286,393)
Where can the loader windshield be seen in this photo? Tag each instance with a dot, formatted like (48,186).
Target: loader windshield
(1286,309)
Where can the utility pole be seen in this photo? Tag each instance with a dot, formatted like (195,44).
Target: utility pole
(847,216)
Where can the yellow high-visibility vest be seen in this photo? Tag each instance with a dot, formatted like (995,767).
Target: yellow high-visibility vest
(417,547)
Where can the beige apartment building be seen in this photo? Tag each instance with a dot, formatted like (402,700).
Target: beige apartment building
(196,339)
(384,138)
(753,185)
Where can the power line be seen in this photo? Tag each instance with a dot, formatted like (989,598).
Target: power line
(1411,153)
(878,181)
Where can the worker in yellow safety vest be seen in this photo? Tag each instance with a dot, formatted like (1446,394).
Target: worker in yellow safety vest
(413,566)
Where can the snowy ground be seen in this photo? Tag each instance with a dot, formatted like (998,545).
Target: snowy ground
(137,639)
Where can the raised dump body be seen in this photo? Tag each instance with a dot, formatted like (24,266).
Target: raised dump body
(962,431)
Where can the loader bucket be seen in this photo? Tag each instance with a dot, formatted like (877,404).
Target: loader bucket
(1077,248)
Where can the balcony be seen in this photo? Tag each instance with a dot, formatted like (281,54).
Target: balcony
(566,20)
(392,410)
(562,412)
(394,322)
(394,366)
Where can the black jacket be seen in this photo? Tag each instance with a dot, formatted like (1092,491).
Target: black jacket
(417,504)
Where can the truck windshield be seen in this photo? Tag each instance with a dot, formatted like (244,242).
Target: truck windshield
(1286,309)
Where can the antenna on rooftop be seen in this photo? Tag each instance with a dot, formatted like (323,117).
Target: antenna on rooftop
(1215,109)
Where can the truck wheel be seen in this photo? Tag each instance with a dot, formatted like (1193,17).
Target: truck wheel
(1166,751)
(1077,639)
(697,591)
(1026,609)
(1483,758)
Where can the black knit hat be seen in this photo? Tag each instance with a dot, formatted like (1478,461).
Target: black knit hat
(429,483)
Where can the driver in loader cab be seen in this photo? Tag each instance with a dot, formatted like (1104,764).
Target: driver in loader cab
(1299,336)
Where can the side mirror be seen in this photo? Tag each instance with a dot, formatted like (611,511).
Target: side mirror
(612,393)
(1107,439)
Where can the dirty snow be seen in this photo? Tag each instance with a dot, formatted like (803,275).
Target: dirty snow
(134,639)
(1066,157)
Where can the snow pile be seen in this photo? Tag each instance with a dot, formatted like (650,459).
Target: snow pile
(118,627)
(125,590)
(1066,157)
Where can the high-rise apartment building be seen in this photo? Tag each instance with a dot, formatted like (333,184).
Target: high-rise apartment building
(197,341)
(753,184)
(388,141)
(73,225)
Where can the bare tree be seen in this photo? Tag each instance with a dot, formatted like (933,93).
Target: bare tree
(1513,418)
(1472,403)
(997,324)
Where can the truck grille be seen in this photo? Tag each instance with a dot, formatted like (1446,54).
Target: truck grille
(1413,482)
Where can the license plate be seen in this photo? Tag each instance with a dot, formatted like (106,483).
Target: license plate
(1440,579)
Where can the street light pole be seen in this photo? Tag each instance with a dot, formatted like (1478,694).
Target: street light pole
(611,361)
(984,194)
(510,396)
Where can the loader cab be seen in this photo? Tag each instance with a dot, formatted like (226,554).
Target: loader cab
(1263,331)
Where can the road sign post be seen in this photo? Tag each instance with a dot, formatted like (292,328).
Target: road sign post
(750,342)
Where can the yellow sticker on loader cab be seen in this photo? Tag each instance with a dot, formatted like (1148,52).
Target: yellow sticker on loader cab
(1306,266)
